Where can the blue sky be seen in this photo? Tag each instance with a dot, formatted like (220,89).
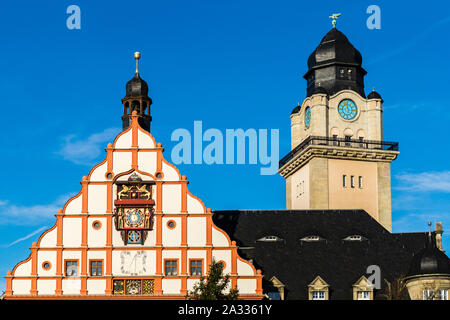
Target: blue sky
(230,64)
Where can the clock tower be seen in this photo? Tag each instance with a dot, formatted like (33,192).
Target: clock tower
(338,157)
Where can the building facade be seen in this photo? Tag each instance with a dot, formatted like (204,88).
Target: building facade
(134,231)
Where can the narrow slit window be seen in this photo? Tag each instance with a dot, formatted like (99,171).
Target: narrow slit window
(352,181)
(344,180)
(360,182)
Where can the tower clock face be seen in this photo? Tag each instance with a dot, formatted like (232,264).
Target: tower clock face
(347,109)
(307,116)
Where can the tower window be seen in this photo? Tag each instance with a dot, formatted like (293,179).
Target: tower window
(344,181)
(352,181)
(360,182)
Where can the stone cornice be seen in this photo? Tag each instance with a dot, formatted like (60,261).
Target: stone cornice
(335,152)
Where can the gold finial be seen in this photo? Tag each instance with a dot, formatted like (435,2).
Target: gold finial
(334,16)
(137,56)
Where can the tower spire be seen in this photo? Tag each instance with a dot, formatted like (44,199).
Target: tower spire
(137,99)
(137,56)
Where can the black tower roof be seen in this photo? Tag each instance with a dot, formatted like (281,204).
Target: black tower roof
(335,65)
(136,87)
(429,260)
(137,99)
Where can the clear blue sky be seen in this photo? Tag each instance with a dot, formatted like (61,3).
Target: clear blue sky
(231,64)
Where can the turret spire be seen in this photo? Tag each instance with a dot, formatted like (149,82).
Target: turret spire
(137,99)
(137,56)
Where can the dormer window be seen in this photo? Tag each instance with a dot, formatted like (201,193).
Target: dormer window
(355,237)
(312,238)
(270,239)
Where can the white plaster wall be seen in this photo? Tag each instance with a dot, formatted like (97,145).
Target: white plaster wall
(171,286)
(71,255)
(170,174)
(171,237)
(96,286)
(43,256)
(244,269)
(151,237)
(171,197)
(97,199)
(198,254)
(116,238)
(121,162)
(124,141)
(71,232)
(21,286)
(151,262)
(99,173)
(71,285)
(218,238)
(144,140)
(171,254)
(49,239)
(196,231)
(96,238)
(46,286)
(24,269)
(97,254)
(194,205)
(246,286)
(147,161)
(74,206)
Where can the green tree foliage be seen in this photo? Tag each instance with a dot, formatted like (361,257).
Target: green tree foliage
(212,287)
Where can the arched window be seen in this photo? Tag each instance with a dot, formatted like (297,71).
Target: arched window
(135,106)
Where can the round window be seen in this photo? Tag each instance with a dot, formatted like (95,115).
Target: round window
(171,224)
(96,225)
(46,265)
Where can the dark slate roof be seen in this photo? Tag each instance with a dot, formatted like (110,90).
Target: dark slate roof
(333,55)
(340,263)
(136,87)
(296,110)
(374,95)
(429,260)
